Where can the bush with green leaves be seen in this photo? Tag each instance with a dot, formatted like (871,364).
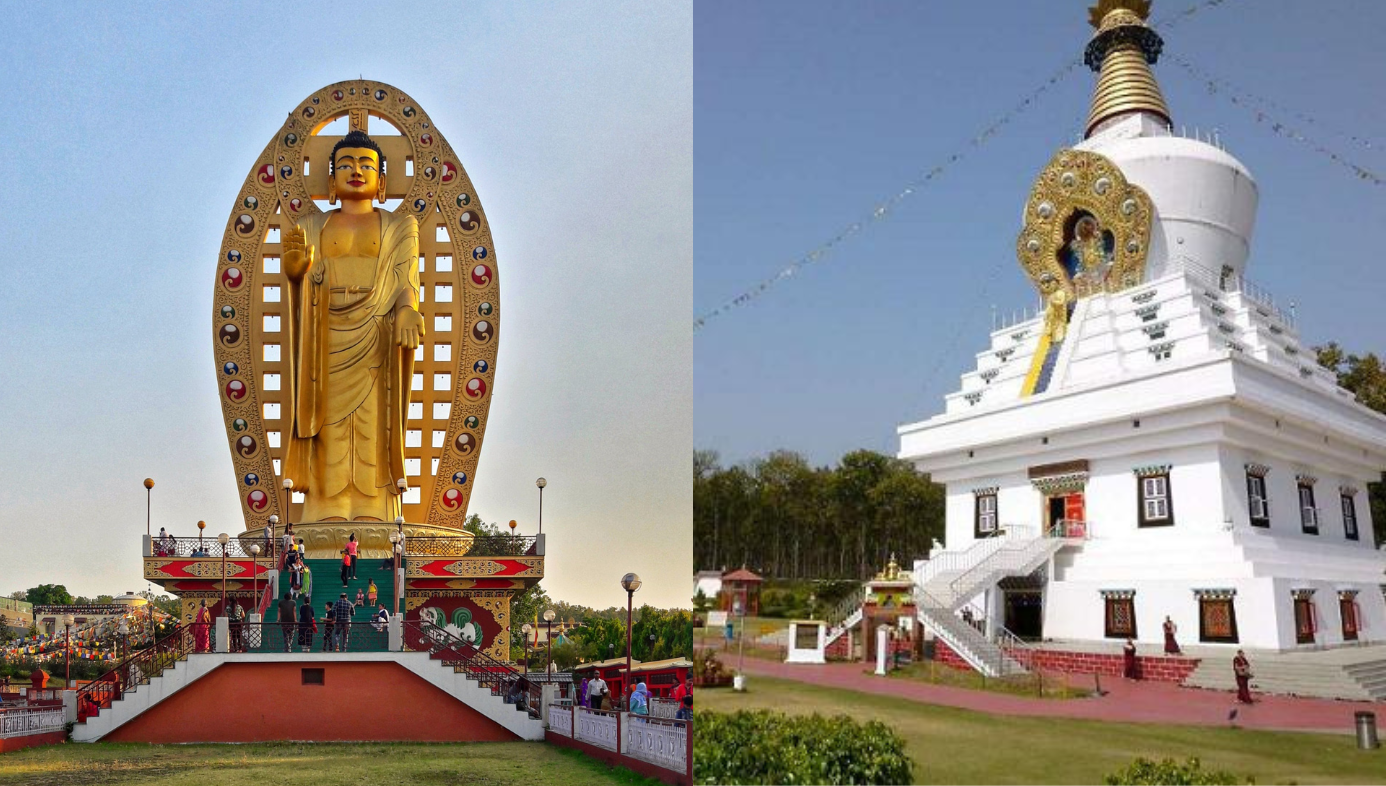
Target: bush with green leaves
(1168,772)
(760,746)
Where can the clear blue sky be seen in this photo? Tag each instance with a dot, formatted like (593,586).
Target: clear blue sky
(809,112)
(127,131)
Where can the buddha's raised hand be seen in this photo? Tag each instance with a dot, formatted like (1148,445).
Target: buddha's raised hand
(297,256)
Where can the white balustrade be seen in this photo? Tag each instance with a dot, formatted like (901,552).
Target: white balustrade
(596,727)
(660,742)
(24,721)
(561,719)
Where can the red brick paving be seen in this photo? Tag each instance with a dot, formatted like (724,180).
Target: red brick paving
(1137,702)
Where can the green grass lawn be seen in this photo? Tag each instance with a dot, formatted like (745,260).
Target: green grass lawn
(476,764)
(961,746)
(1033,684)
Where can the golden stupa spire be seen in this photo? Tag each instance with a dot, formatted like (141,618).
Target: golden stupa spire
(1122,51)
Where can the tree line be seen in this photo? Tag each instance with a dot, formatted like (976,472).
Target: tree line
(783,518)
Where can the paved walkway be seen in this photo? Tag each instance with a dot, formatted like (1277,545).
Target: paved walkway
(1138,702)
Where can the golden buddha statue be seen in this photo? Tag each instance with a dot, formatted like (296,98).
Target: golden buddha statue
(354,322)
(1055,311)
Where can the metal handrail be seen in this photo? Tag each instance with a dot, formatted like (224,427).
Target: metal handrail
(845,608)
(500,677)
(134,671)
(170,546)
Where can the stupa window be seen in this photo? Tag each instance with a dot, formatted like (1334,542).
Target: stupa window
(1120,615)
(1153,505)
(984,517)
(1217,616)
(1308,512)
(1349,516)
(1258,503)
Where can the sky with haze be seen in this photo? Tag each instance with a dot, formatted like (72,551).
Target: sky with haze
(128,132)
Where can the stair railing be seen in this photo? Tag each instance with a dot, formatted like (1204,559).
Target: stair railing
(136,670)
(500,677)
(845,608)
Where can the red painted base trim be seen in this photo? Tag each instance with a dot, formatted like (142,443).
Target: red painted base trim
(1155,668)
(613,759)
(8,744)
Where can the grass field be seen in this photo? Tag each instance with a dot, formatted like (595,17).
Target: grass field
(1033,684)
(476,764)
(960,746)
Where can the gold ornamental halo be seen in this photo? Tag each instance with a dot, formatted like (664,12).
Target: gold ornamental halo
(276,194)
(1076,180)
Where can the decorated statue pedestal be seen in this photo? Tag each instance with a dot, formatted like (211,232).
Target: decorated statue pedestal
(808,642)
(890,603)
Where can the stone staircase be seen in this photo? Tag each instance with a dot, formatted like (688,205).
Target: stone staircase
(442,675)
(1355,673)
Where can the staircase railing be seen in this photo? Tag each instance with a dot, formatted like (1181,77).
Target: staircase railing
(843,611)
(501,678)
(134,671)
(1014,553)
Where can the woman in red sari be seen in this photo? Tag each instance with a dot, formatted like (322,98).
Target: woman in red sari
(202,624)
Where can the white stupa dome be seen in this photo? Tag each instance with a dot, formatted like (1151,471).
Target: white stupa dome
(1204,198)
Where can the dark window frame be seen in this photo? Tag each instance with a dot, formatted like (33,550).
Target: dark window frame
(1252,480)
(1349,504)
(977,530)
(1304,525)
(1203,636)
(1109,603)
(315,677)
(1142,520)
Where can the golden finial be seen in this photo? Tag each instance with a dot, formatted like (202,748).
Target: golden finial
(1122,51)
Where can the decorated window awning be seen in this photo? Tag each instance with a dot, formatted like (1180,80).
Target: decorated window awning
(986,491)
(1151,470)
(1117,594)
(1303,593)
(1058,484)
(1347,594)
(1257,470)
(1305,480)
(1216,593)
(1348,491)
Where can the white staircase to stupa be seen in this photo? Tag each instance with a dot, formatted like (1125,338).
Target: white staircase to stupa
(1355,673)
(945,584)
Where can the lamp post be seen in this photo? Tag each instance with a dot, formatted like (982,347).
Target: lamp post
(630,583)
(223,539)
(269,538)
(148,499)
(548,620)
(67,650)
(288,506)
(201,525)
(527,629)
(541,483)
(123,630)
(394,578)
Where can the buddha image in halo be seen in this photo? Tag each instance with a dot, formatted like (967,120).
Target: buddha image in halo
(354,317)
(1087,250)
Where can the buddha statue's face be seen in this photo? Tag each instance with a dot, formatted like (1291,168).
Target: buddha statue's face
(356,173)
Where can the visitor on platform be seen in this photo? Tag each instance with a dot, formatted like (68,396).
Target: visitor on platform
(342,618)
(307,626)
(307,580)
(640,700)
(1171,646)
(1241,669)
(685,708)
(596,691)
(329,629)
(371,593)
(164,547)
(1128,661)
(269,541)
(202,622)
(236,620)
(382,618)
(346,567)
(581,692)
(286,542)
(360,601)
(288,619)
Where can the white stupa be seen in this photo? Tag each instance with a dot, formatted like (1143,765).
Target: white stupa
(1158,442)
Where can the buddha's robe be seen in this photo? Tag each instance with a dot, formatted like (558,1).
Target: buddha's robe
(349,379)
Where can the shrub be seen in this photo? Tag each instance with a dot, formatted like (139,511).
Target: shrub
(757,747)
(708,671)
(1144,772)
